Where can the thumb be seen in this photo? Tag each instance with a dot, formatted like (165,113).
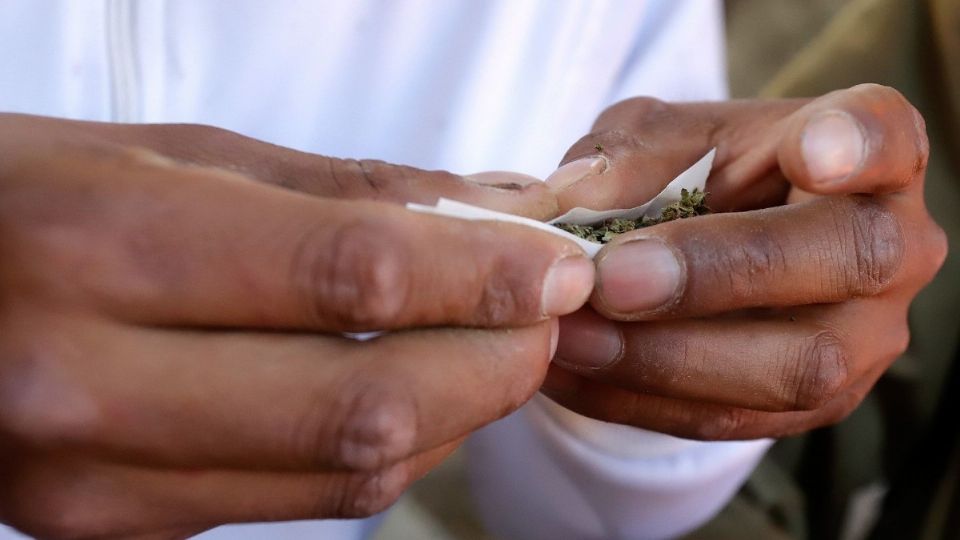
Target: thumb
(866,139)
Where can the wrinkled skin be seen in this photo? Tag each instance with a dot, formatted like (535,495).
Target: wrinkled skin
(171,355)
(788,303)
(171,348)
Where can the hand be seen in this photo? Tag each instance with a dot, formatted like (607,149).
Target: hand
(171,355)
(749,323)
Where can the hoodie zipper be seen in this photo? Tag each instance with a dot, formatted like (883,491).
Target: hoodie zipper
(121,57)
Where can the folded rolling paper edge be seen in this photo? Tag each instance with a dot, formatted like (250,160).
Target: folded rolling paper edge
(695,177)
(459,210)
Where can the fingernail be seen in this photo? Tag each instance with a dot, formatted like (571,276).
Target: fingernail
(587,340)
(554,336)
(573,172)
(502,179)
(638,276)
(567,285)
(833,146)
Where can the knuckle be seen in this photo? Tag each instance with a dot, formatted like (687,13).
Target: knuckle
(378,424)
(503,297)
(745,266)
(875,244)
(822,371)
(39,403)
(373,493)
(359,280)
(723,424)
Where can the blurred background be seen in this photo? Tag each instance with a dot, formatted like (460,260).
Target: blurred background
(763,36)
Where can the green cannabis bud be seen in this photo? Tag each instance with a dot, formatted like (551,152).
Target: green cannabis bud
(691,203)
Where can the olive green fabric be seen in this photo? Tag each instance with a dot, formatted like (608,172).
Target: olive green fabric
(834,482)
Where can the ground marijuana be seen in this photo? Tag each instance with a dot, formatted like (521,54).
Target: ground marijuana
(691,203)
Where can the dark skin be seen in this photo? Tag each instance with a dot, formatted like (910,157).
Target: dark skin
(187,319)
(171,355)
(790,301)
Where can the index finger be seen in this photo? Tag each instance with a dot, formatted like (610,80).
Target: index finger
(865,139)
(201,247)
(209,146)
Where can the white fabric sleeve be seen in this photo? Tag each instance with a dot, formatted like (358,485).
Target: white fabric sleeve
(546,472)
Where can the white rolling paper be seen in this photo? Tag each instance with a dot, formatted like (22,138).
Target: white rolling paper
(693,178)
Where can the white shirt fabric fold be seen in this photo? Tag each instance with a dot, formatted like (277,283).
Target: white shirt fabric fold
(458,85)
(575,478)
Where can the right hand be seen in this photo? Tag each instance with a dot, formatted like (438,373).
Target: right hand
(171,355)
(776,314)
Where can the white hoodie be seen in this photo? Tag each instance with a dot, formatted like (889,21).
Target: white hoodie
(462,85)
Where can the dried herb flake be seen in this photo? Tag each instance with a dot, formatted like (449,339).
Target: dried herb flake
(691,203)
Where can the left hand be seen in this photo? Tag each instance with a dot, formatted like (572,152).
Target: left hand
(171,348)
(778,313)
